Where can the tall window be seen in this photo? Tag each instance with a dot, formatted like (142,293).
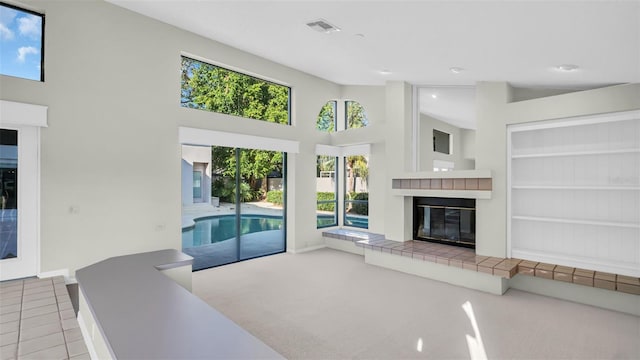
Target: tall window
(326,191)
(355,115)
(21,39)
(356,197)
(213,88)
(327,117)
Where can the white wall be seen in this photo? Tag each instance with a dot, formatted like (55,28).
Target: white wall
(398,158)
(427,155)
(111,149)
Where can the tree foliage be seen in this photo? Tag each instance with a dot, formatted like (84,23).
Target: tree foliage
(209,87)
(327,117)
(356,116)
(255,166)
(212,88)
(356,166)
(325,163)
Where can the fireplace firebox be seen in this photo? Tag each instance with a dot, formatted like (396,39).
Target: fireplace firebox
(450,221)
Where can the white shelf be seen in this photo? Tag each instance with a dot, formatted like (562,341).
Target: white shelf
(577,153)
(576,187)
(577,222)
(573,193)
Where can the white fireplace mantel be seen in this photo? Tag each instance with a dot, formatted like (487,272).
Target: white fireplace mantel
(471,184)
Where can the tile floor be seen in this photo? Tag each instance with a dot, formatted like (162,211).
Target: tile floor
(37,321)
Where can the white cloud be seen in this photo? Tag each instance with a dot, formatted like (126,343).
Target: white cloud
(5,32)
(30,26)
(6,18)
(7,15)
(24,51)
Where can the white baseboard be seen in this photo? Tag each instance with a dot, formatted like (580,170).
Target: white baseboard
(307,249)
(54,273)
(86,335)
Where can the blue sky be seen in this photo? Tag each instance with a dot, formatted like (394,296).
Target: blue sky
(20,43)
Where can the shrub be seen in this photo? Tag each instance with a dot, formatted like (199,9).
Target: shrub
(359,208)
(321,196)
(275,197)
(225,189)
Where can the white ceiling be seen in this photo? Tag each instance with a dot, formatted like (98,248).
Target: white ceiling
(419,41)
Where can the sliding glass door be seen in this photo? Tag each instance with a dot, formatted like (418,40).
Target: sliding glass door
(246,217)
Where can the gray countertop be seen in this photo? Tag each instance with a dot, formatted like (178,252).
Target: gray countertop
(143,314)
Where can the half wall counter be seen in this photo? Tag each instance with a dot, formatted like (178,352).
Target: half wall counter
(140,307)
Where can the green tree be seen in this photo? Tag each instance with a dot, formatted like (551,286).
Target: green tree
(356,166)
(325,163)
(208,87)
(255,166)
(327,117)
(356,116)
(212,88)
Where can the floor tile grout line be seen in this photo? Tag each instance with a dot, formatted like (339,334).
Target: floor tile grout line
(66,347)
(19,322)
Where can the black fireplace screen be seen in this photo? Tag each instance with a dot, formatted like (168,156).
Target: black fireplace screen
(445,220)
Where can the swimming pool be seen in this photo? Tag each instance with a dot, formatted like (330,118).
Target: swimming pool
(215,229)
(356,221)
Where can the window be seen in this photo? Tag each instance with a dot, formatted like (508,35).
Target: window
(213,88)
(21,39)
(326,191)
(441,142)
(355,115)
(356,194)
(352,112)
(327,117)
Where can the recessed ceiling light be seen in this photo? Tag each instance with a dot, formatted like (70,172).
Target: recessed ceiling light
(385,72)
(322,25)
(434,96)
(456,70)
(567,67)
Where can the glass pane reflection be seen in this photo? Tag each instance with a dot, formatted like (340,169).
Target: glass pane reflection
(8,194)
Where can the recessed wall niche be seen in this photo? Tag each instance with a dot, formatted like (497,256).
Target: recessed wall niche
(445,119)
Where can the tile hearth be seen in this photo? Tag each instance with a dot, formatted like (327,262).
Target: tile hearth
(467,259)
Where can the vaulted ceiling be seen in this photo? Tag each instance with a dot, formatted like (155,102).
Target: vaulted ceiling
(522,42)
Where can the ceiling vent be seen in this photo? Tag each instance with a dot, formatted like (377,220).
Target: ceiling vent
(323,26)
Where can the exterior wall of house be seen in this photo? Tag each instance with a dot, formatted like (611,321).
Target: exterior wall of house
(201,157)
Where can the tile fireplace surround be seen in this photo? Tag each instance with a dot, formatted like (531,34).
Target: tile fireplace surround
(470,184)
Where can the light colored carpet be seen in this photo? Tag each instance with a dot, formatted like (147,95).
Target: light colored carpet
(327,304)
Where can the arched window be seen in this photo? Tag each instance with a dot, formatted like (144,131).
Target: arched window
(355,116)
(327,117)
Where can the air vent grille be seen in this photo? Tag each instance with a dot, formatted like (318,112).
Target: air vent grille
(322,25)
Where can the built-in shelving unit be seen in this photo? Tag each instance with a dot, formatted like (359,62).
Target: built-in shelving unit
(574,192)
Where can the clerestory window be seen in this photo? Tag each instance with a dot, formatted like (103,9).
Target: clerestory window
(21,43)
(213,88)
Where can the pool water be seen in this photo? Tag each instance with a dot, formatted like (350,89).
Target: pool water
(356,221)
(215,229)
